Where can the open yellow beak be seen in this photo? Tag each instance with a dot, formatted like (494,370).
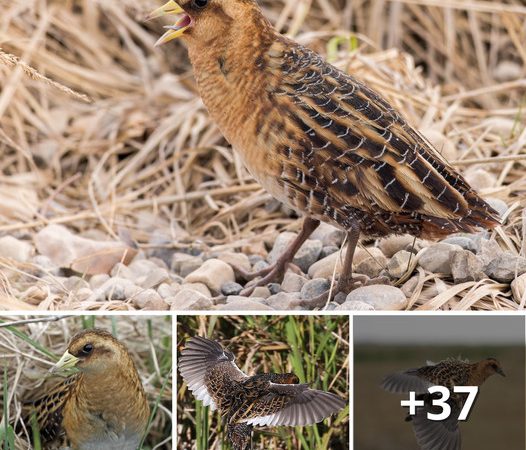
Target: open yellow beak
(176,30)
(68,361)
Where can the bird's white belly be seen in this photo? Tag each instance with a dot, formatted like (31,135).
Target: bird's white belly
(122,442)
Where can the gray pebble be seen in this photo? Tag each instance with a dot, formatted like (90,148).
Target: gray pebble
(183,264)
(398,264)
(372,266)
(328,235)
(261,292)
(328,250)
(292,282)
(274,288)
(154,278)
(43,266)
(166,290)
(190,300)
(355,305)
(489,249)
(235,303)
(506,267)
(465,266)
(96,281)
(253,259)
(308,254)
(498,205)
(116,289)
(149,300)
(283,300)
(231,288)
(314,288)
(380,297)
(260,265)
(438,257)
(123,271)
(465,242)
(15,249)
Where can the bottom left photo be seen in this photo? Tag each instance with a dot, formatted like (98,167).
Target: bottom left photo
(86,382)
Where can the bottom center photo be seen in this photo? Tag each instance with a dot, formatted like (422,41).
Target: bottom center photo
(263,382)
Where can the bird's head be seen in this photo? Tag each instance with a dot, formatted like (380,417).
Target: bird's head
(491,366)
(205,20)
(91,351)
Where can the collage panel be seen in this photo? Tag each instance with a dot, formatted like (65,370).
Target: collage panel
(400,362)
(263,382)
(86,382)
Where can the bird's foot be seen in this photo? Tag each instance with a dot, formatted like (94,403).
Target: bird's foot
(272,274)
(242,274)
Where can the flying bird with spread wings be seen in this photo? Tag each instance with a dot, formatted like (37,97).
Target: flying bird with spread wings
(265,400)
(444,434)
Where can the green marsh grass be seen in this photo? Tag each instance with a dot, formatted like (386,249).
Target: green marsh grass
(316,349)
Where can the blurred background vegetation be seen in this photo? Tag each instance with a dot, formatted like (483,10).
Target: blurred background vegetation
(315,348)
(29,350)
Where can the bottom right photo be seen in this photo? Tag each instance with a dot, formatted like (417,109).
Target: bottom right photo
(439,383)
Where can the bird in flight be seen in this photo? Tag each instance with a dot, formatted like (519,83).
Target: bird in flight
(318,139)
(444,434)
(102,406)
(266,400)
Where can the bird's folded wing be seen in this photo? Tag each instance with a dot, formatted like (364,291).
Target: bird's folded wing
(293,405)
(48,409)
(437,435)
(360,152)
(402,382)
(201,358)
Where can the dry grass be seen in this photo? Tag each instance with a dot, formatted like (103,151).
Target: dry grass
(30,346)
(145,156)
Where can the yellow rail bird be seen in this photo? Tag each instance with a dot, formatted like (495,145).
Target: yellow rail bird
(316,138)
(443,434)
(267,399)
(103,406)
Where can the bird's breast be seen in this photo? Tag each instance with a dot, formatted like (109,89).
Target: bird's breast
(239,101)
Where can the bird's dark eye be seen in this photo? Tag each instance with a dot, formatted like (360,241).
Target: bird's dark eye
(87,349)
(200,3)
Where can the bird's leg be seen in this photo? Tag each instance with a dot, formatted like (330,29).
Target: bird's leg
(240,436)
(276,271)
(346,282)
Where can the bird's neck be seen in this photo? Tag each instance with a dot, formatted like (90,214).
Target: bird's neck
(229,71)
(112,389)
(478,374)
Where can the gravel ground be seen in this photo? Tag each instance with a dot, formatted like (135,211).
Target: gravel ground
(58,269)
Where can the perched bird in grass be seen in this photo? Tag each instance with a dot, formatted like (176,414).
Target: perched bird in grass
(444,434)
(244,401)
(317,139)
(102,406)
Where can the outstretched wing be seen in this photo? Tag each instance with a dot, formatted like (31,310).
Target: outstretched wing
(205,365)
(354,155)
(292,405)
(403,382)
(437,435)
